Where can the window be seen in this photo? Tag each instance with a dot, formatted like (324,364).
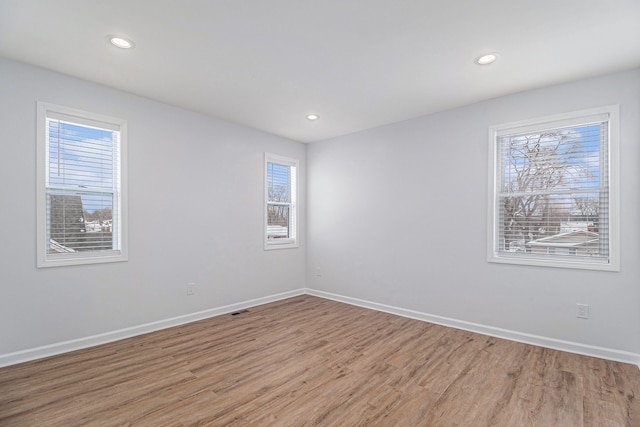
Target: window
(81,187)
(553,191)
(280,215)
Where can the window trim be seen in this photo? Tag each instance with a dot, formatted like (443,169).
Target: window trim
(550,122)
(294,241)
(43,259)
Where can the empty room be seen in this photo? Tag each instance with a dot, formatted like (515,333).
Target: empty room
(336,213)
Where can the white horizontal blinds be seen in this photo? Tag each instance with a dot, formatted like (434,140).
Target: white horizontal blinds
(279,206)
(553,191)
(82,185)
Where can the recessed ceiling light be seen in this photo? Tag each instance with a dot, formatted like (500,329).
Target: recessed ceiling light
(121,42)
(486,59)
(313,117)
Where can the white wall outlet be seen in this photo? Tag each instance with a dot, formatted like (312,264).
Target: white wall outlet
(191,288)
(583,311)
(318,272)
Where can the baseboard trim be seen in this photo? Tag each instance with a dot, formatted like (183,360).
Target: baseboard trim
(556,344)
(93,340)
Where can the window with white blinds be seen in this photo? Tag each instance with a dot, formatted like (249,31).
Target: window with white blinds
(81,212)
(280,202)
(554,191)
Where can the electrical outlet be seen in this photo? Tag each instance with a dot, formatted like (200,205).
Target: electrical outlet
(583,311)
(191,288)
(318,272)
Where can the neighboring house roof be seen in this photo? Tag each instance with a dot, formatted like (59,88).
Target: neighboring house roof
(570,239)
(58,248)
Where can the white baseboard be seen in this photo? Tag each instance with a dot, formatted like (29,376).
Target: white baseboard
(80,343)
(556,344)
(90,341)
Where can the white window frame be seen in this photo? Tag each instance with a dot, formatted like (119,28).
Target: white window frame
(292,241)
(611,114)
(120,220)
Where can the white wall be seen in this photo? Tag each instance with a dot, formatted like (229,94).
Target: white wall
(195,212)
(398,214)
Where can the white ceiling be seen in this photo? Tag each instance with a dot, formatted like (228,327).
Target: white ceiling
(356,63)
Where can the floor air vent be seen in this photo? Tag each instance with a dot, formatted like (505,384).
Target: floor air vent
(239,312)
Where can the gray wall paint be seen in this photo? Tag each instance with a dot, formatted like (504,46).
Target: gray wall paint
(398,214)
(431,260)
(195,212)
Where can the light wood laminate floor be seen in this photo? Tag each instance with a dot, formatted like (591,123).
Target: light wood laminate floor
(309,361)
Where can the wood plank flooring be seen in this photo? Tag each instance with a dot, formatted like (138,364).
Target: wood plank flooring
(308,361)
